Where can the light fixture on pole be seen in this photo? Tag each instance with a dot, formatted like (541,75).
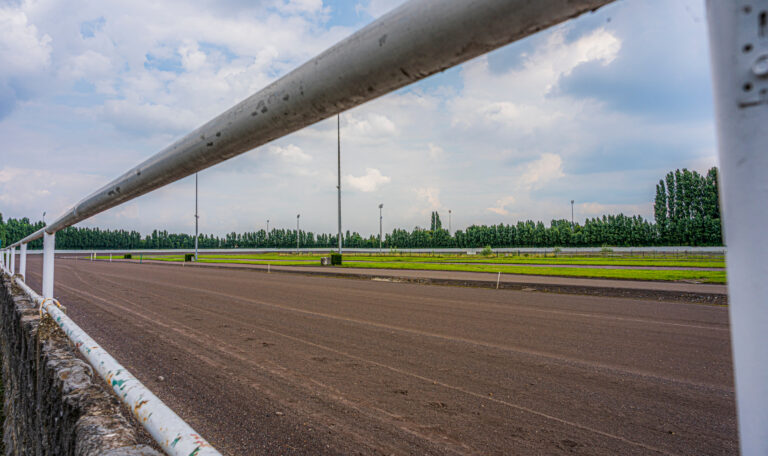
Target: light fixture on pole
(297,232)
(380,225)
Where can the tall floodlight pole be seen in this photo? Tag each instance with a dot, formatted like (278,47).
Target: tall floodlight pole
(196,217)
(338,170)
(572,224)
(739,51)
(297,232)
(267,227)
(449,222)
(380,225)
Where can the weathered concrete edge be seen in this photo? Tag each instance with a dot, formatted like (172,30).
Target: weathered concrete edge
(717,299)
(52,404)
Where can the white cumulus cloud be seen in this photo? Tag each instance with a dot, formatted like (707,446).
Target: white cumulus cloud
(501,205)
(430,196)
(22,48)
(291,154)
(368,182)
(545,169)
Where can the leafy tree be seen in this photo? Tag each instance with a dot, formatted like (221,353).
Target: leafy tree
(435,223)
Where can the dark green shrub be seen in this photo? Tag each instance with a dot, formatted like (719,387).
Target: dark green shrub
(335,259)
(127,256)
(189,257)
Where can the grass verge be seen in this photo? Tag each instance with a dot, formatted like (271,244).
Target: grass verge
(448,259)
(704,276)
(601,273)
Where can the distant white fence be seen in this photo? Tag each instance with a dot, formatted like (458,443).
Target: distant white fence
(527,250)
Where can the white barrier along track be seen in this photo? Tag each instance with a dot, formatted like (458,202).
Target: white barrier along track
(423,37)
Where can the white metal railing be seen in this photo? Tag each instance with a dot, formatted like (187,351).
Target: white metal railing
(423,37)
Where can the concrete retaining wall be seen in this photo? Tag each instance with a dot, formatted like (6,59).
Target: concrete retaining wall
(53,404)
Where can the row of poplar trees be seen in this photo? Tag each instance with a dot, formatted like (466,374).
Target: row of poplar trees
(686,210)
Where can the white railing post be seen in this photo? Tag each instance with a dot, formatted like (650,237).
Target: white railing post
(49,245)
(23,261)
(13,260)
(738,37)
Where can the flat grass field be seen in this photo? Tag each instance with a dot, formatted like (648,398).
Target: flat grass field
(504,264)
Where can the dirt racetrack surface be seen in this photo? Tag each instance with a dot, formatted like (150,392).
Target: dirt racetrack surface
(291,364)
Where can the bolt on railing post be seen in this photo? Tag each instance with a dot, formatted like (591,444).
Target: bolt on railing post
(23,262)
(49,244)
(13,260)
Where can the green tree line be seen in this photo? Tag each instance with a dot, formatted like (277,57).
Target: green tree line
(686,210)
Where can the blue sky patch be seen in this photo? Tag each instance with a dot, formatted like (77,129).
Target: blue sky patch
(88,29)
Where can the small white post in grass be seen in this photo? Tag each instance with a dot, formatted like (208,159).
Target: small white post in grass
(110,257)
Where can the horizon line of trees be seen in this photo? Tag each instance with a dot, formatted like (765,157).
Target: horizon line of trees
(686,209)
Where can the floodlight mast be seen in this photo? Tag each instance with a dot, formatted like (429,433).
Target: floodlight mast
(197,218)
(381,218)
(738,39)
(338,170)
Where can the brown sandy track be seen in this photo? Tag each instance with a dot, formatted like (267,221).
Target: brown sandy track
(399,368)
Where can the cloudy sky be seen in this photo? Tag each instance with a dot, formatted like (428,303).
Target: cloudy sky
(595,110)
